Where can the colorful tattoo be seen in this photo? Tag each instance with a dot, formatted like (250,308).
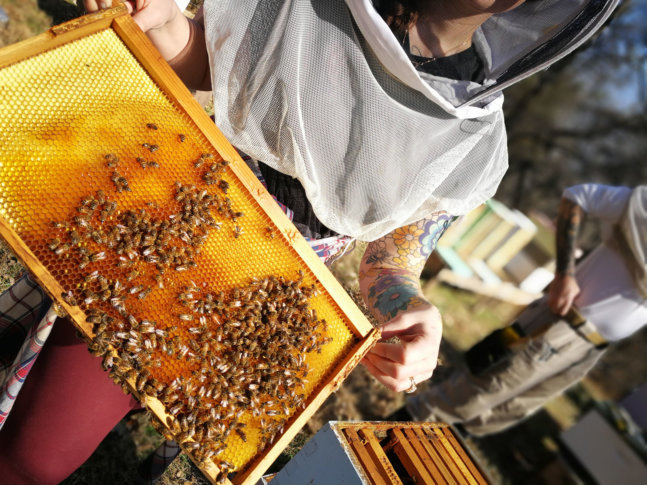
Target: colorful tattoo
(394,290)
(391,267)
(568,225)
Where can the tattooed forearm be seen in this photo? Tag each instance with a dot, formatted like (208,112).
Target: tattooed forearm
(568,225)
(393,291)
(408,246)
(391,266)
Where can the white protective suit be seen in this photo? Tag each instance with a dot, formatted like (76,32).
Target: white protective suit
(323,91)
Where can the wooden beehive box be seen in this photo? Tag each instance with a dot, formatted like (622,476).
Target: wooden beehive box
(138,217)
(382,453)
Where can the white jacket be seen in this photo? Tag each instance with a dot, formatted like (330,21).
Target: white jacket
(323,91)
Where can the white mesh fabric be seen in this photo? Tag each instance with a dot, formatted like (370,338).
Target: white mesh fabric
(508,36)
(296,87)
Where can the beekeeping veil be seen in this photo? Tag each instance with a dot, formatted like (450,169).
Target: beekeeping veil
(324,92)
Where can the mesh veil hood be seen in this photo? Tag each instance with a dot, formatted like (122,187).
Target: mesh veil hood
(323,91)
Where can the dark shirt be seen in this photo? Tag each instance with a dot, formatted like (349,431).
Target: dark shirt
(291,193)
(462,66)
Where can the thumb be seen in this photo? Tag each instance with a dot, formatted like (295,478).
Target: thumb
(141,14)
(143,20)
(395,326)
(130,5)
(408,321)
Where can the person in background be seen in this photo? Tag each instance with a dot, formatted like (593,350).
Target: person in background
(373,121)
(561,336)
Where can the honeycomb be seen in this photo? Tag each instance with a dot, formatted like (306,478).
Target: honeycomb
(61,113)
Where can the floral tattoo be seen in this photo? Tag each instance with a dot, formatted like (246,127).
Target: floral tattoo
(391,267)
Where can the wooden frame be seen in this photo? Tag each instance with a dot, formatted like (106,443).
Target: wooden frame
(161,73)
(429,452)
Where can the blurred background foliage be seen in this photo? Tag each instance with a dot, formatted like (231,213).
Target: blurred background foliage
(582,120)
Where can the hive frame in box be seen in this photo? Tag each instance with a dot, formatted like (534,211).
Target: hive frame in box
(121,23)
(429,452)
(383,453)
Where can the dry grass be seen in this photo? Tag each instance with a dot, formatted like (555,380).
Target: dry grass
(467,316)
(25,20)
(10,267)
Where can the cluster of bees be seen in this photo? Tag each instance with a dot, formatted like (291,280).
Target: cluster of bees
(244,354)
(241,351)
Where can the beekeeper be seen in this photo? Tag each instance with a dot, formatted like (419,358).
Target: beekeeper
(601,300)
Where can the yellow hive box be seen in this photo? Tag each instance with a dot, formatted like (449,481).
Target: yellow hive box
(95,129)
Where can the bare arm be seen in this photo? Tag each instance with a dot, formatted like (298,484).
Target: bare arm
(390,285)
(179,40)
(564,288)
(569,218)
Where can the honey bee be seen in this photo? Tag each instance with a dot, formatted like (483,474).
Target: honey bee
(141,380)
(68,297)
(151,126)
(54,243)
(132,275)
(63,248)
(242,435)
(122,184)
(101,197)
(108,361)
(60,311)
(97,256)
(111,159)
(183,351)
(181,138)
(90,298)
(160,280)
(110,207)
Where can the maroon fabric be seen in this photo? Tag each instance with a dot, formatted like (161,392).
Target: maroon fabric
(65,409)
(190,64)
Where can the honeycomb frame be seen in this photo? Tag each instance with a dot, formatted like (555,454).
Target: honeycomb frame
(30,175)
